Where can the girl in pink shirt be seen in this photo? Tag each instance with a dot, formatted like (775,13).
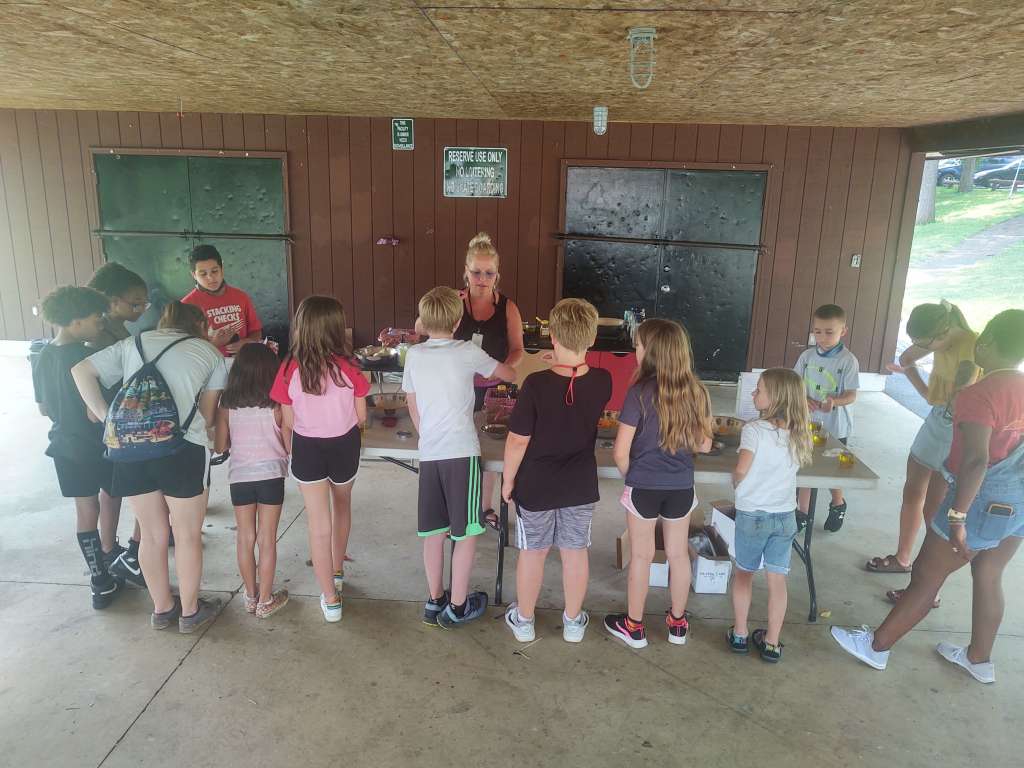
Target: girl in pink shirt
(323,399)
(249,424)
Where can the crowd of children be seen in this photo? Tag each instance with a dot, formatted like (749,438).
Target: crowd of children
(304,417)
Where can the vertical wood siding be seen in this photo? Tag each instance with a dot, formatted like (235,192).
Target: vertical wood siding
(832,192)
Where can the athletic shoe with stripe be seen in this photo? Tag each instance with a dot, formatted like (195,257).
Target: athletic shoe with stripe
(476,604)
(433,607)
(523,629)
(634,637)
(677,628)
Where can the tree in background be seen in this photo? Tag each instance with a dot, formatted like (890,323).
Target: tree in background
(967,174)
(926,202)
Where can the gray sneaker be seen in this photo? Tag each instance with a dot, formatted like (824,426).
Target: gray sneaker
(476,604)
(165,619)
(206,612)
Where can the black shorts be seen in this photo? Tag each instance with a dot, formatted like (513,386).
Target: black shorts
(450,498)
(182,475)
(652,504)
(79,478)
(270,492)
(326,458)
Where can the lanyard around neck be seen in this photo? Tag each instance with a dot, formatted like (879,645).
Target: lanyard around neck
(570,393)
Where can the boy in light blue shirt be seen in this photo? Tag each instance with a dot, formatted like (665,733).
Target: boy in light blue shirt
(831,375)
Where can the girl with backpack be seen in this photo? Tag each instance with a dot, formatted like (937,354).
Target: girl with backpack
(155,435)
(249,423)
(323,401)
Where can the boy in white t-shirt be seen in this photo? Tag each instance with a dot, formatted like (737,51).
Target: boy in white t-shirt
(438,380)
(772,450)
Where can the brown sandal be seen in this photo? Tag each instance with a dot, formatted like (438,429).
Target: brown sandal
(894,595)
(887,564)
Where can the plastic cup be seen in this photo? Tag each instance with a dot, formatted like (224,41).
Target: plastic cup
(819,439)
(847,459)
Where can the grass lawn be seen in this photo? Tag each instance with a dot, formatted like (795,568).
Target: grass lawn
(981,290)
(959,216)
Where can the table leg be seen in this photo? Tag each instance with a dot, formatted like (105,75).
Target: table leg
(502,543)
(803,551)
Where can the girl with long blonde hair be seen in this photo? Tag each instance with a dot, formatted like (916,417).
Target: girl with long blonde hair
(773,447)
(323,401)
(665,419)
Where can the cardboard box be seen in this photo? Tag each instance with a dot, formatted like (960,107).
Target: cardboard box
(622,542)
(723,518)
(711,574)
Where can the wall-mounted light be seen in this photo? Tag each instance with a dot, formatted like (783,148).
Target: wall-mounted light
(641,56)
(600,120)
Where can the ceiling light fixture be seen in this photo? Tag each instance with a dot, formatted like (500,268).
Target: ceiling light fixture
(600,120)
(641,56)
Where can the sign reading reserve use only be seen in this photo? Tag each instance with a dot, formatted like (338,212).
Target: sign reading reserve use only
(475,171)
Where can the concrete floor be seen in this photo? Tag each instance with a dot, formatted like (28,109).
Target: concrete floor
(86,688)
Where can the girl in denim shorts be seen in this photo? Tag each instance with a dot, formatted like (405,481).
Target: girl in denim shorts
(772,450)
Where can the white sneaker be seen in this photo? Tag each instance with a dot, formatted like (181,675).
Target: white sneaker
(521,628)
(332,613)
(857,643)
(574,629)
(983,672)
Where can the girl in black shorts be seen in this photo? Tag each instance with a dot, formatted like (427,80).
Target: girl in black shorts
(323,401)
(665,419)
(249,423)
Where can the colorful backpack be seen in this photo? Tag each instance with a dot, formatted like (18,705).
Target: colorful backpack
(143,421)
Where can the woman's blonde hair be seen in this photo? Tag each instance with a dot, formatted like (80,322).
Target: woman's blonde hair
(187,318)
(318,339)
(440,309)
(681,401)
(788,409)
(574,323)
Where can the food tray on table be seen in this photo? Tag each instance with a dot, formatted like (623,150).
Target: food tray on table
(608,425)
(727,430)
(376,356)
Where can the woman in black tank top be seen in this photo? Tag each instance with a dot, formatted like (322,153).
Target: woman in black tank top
(491,320)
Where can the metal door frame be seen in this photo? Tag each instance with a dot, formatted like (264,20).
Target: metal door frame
(186,153)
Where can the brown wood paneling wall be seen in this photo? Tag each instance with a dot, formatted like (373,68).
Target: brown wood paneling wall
(832,192)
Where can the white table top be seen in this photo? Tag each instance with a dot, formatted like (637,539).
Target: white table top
(824,472)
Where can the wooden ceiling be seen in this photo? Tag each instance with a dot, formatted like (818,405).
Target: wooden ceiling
(808,62)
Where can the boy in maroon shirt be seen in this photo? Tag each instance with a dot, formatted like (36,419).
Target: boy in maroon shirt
(230,314)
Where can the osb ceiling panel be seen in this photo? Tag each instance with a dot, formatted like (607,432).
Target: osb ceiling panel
(812,62)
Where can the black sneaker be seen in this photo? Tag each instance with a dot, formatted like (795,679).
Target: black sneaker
(770,653)
(433,607)
(801,520)
(104,590)
(113,554)
(836,515)
(677,628)
(126,566)
(476,604)
(737,643)
(617,627)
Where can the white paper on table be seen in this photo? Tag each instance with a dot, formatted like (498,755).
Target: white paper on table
(745,409)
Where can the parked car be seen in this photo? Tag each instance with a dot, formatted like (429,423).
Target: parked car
(949,169)
(999,177)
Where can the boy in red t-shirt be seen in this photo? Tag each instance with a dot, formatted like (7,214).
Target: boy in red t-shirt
(230,314)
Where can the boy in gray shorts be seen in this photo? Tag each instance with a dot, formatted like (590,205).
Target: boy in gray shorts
(438,381)
(551,470)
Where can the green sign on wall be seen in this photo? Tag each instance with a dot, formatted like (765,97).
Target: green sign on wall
(475,171)
(402,133)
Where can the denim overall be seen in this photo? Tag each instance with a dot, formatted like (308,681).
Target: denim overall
(1003,484)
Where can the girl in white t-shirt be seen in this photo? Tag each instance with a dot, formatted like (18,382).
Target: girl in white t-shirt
(772,450)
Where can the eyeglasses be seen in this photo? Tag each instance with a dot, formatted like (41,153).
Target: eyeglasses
(925,343)
(490,274)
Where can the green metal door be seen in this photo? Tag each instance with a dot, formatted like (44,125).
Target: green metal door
(155,208)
